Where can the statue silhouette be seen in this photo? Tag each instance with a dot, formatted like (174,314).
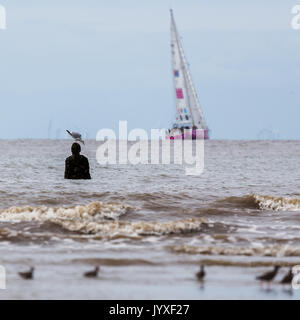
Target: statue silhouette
(77,165)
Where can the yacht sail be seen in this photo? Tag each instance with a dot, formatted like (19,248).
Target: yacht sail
(189,114)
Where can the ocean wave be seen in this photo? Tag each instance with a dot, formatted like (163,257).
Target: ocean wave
(262,262)
(266,251)
(91,212)
(263,202)
(278,203)
(117,229)
(115,262)
(93,219)
(5,232)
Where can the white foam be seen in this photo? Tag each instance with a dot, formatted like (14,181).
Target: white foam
(92,219)
(277,203)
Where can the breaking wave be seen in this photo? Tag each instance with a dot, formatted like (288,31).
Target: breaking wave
(266,251)
(133,229)
(93,219)
(91,212)
(262,262)
(278,203)
(263,202)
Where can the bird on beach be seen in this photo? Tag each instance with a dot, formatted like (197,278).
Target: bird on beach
(28,275)
(268,276)
(76,136)
(288,278)
(201,274)
(93,273)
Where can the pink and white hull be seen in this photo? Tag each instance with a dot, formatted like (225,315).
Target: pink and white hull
(188,134)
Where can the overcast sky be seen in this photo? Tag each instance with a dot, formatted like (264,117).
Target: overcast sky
(85,65)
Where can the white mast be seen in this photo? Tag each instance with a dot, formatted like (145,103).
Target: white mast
(189,112)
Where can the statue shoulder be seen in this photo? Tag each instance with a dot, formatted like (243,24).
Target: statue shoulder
(69,159)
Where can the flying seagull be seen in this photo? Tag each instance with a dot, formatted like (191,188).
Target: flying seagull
(76,136)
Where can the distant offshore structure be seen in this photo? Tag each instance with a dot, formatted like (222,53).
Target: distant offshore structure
(268,134)
(190,122)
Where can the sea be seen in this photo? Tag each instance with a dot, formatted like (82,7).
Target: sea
(149,226)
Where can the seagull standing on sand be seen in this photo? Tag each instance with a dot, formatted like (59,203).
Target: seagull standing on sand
(76,136)
(288,278)
(201,274)
(27,275)
(93,273)
(268,276)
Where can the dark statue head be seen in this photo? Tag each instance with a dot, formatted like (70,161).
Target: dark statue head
(76,148)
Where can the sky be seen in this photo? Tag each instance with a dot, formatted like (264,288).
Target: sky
(85,65)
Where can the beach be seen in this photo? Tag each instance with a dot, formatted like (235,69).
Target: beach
(149,227)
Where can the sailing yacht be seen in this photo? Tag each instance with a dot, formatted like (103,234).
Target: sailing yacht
(190,122)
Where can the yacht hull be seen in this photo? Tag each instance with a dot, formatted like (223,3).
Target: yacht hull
(188,134)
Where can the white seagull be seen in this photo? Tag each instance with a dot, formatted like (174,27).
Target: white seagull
(76,136)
